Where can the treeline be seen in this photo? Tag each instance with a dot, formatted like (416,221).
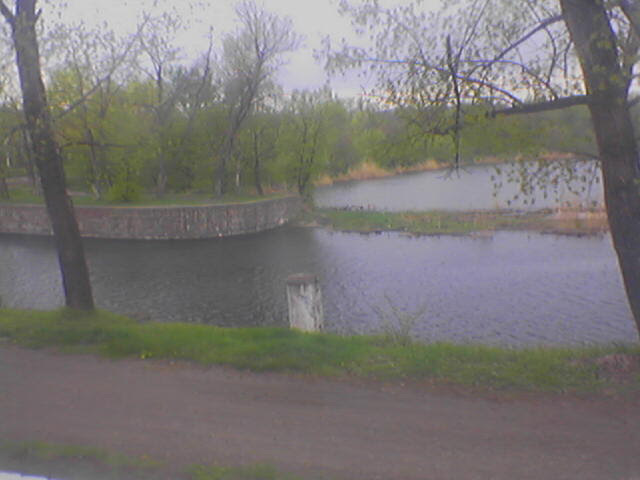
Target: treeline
(116,147)
(130,117)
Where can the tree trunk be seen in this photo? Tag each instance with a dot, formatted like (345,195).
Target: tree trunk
(34,178)
(220,180)
(48,159)
(4,188)
(256,164)
(607,89)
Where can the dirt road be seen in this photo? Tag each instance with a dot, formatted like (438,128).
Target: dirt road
(188,414)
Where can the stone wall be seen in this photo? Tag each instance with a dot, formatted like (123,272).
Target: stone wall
(156,223)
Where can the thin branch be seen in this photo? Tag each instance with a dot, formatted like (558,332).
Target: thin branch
(106,78)
(465,78)
(541,26)
(564,102)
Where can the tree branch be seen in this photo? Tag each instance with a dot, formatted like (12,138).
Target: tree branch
(544,24)
(107,77)
(564,102)
(6,13)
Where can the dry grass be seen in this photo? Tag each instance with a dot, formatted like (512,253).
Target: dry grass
(370,170)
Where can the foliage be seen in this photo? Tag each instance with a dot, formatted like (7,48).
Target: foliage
(398,323)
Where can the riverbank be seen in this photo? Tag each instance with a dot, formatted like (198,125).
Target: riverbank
(170,222)
(392,356)
(482,222)
(371,171)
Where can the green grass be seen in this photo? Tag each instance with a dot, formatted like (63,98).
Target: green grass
(80,461)
(284,350)
(43,451)
(253,472)
(426,223)
(25,194)
(75,461)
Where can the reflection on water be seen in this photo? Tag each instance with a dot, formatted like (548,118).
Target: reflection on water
(471,188)
(513,288)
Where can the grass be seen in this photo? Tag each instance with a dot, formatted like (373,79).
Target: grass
(75,461)
(450,223)
(252,472)
(79,461)
(23,194)
(284,350)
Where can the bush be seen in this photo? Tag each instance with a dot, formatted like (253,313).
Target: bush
(125,190)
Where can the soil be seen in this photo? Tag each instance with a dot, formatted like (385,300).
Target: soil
(184,414)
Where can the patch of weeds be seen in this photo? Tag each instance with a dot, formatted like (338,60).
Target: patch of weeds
(397,324)
(255,472)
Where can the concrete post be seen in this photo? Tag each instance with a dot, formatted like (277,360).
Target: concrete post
(304,298)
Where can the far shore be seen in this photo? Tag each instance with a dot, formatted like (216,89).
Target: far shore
(566,221)
(371,171)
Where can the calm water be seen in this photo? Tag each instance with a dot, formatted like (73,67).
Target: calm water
(469,189)
(512,289)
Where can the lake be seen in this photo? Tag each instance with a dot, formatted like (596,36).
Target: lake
(514,288)
(471,188)
(510,288)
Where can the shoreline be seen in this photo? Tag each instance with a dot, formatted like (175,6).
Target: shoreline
(170,222)
(479,223)
(371,171)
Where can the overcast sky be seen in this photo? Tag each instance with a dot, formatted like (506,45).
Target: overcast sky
(314,19)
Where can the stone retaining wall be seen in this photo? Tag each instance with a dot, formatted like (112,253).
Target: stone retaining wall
(158,223)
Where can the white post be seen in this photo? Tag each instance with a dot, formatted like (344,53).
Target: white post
(304,298)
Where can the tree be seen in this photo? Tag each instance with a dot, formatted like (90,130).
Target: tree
(73,266)
(251,57)
(519,57)
(157,41)
(90,60)
(257,143)
(303,142)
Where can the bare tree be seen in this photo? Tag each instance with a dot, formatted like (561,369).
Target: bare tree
(251,57)
(75,274)
(519,57)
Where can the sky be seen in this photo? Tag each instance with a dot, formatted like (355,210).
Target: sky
(314,19)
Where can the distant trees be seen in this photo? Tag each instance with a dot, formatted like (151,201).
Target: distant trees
(132,115)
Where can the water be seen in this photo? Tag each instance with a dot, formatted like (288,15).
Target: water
(513,288)
(469,189)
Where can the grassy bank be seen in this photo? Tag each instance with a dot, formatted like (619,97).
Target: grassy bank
(273,349)
(79,462)
(460,223)
(24,194)
(370,170)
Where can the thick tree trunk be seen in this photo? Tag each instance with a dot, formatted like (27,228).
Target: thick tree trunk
(75,275)
(608,103)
